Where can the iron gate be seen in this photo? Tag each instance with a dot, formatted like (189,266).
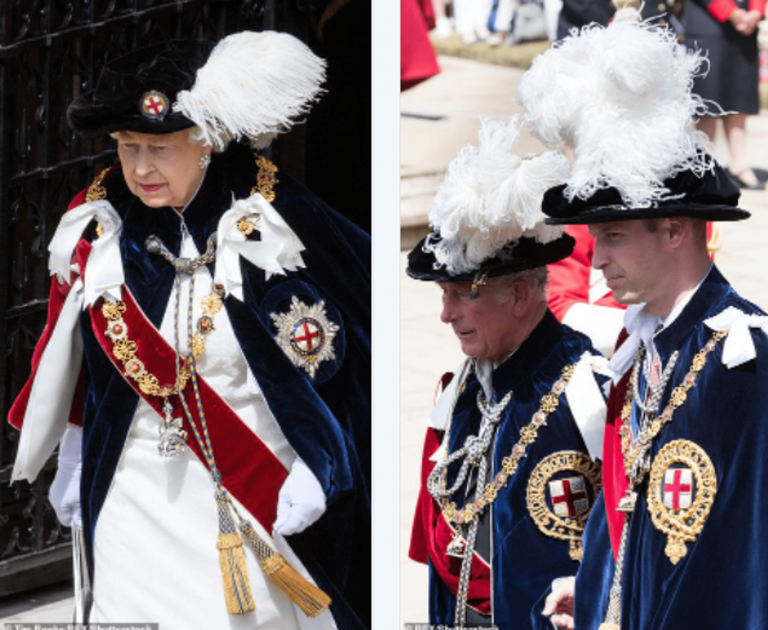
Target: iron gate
(50,52)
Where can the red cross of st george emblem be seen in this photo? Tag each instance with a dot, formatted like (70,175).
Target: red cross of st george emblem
(569,496)
(677,488)
(308,337)
(154,105)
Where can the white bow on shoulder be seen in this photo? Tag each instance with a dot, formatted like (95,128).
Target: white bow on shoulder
(738,347)
(278,250)
(105,268)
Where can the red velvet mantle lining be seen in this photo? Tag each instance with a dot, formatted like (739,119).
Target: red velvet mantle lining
(431,535)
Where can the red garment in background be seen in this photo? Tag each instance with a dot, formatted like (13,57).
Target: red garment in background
(418,60)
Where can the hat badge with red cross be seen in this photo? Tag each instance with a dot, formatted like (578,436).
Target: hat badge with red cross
(154,105)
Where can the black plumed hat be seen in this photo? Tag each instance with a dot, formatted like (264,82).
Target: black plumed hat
(637,153)
(525,253)
(712,196)
(486,217)
(251,85)
(135,92)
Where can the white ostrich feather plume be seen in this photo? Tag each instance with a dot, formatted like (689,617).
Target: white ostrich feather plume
(491,197)
(253,85)
(621,97)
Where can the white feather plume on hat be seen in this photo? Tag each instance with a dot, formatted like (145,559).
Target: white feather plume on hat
(491,197)
(621,97)
(253,85)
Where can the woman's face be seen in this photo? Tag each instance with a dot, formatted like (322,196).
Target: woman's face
(162,170)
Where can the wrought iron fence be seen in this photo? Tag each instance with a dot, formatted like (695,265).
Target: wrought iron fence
(50,52)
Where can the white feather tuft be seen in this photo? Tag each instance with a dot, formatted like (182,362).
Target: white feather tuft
(491,197)
(621,97)
(253,85)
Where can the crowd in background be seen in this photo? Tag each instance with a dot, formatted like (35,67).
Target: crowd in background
(727,31)
(512,22)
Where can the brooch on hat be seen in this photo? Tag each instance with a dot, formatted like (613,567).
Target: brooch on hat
(561,492)
(681,491)
(306,334)
(154,105)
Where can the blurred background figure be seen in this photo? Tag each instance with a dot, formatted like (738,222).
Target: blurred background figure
(578,13)
(727,30)
(443,28)
(471,19)
(418,60)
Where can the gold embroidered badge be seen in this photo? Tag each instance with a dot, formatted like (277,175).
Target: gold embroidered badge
(681,491)
(561,492)
(306,334)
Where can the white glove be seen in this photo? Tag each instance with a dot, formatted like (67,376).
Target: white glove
(301,501)
(64,494)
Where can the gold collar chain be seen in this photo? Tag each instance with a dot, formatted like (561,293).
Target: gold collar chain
(509,464)
(636,465)
(633,450)
(125,349)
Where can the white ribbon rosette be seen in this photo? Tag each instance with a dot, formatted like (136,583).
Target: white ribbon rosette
(738,346)
(278,250)
(105,268)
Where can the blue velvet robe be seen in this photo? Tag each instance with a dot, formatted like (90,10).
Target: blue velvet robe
(524,560)
(326,419)
(721,581)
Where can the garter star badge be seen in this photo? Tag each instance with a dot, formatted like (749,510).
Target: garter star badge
(306,334)
(681,491)
(154,105)
(561,492)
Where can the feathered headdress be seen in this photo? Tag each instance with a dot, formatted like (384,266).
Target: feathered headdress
(250,85)
(487,211)
(621,97)
(254,85)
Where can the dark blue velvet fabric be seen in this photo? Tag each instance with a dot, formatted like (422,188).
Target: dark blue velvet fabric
(524,560)
(326,419)
(722,581)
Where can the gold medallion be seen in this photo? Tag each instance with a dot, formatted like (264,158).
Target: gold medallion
(681,491)
(154,105)
(561,492)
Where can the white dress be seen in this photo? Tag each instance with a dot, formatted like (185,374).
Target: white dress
(155,552)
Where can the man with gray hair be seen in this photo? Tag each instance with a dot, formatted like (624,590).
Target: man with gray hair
(507,479)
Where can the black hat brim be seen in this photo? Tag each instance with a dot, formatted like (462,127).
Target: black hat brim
(528,253)
(711,197)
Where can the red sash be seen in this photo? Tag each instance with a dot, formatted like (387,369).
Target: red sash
(615,482)
(249,470)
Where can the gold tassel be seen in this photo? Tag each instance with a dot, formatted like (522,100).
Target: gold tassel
(308,597)
(237,588)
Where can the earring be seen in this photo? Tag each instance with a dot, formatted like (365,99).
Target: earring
(205,160)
